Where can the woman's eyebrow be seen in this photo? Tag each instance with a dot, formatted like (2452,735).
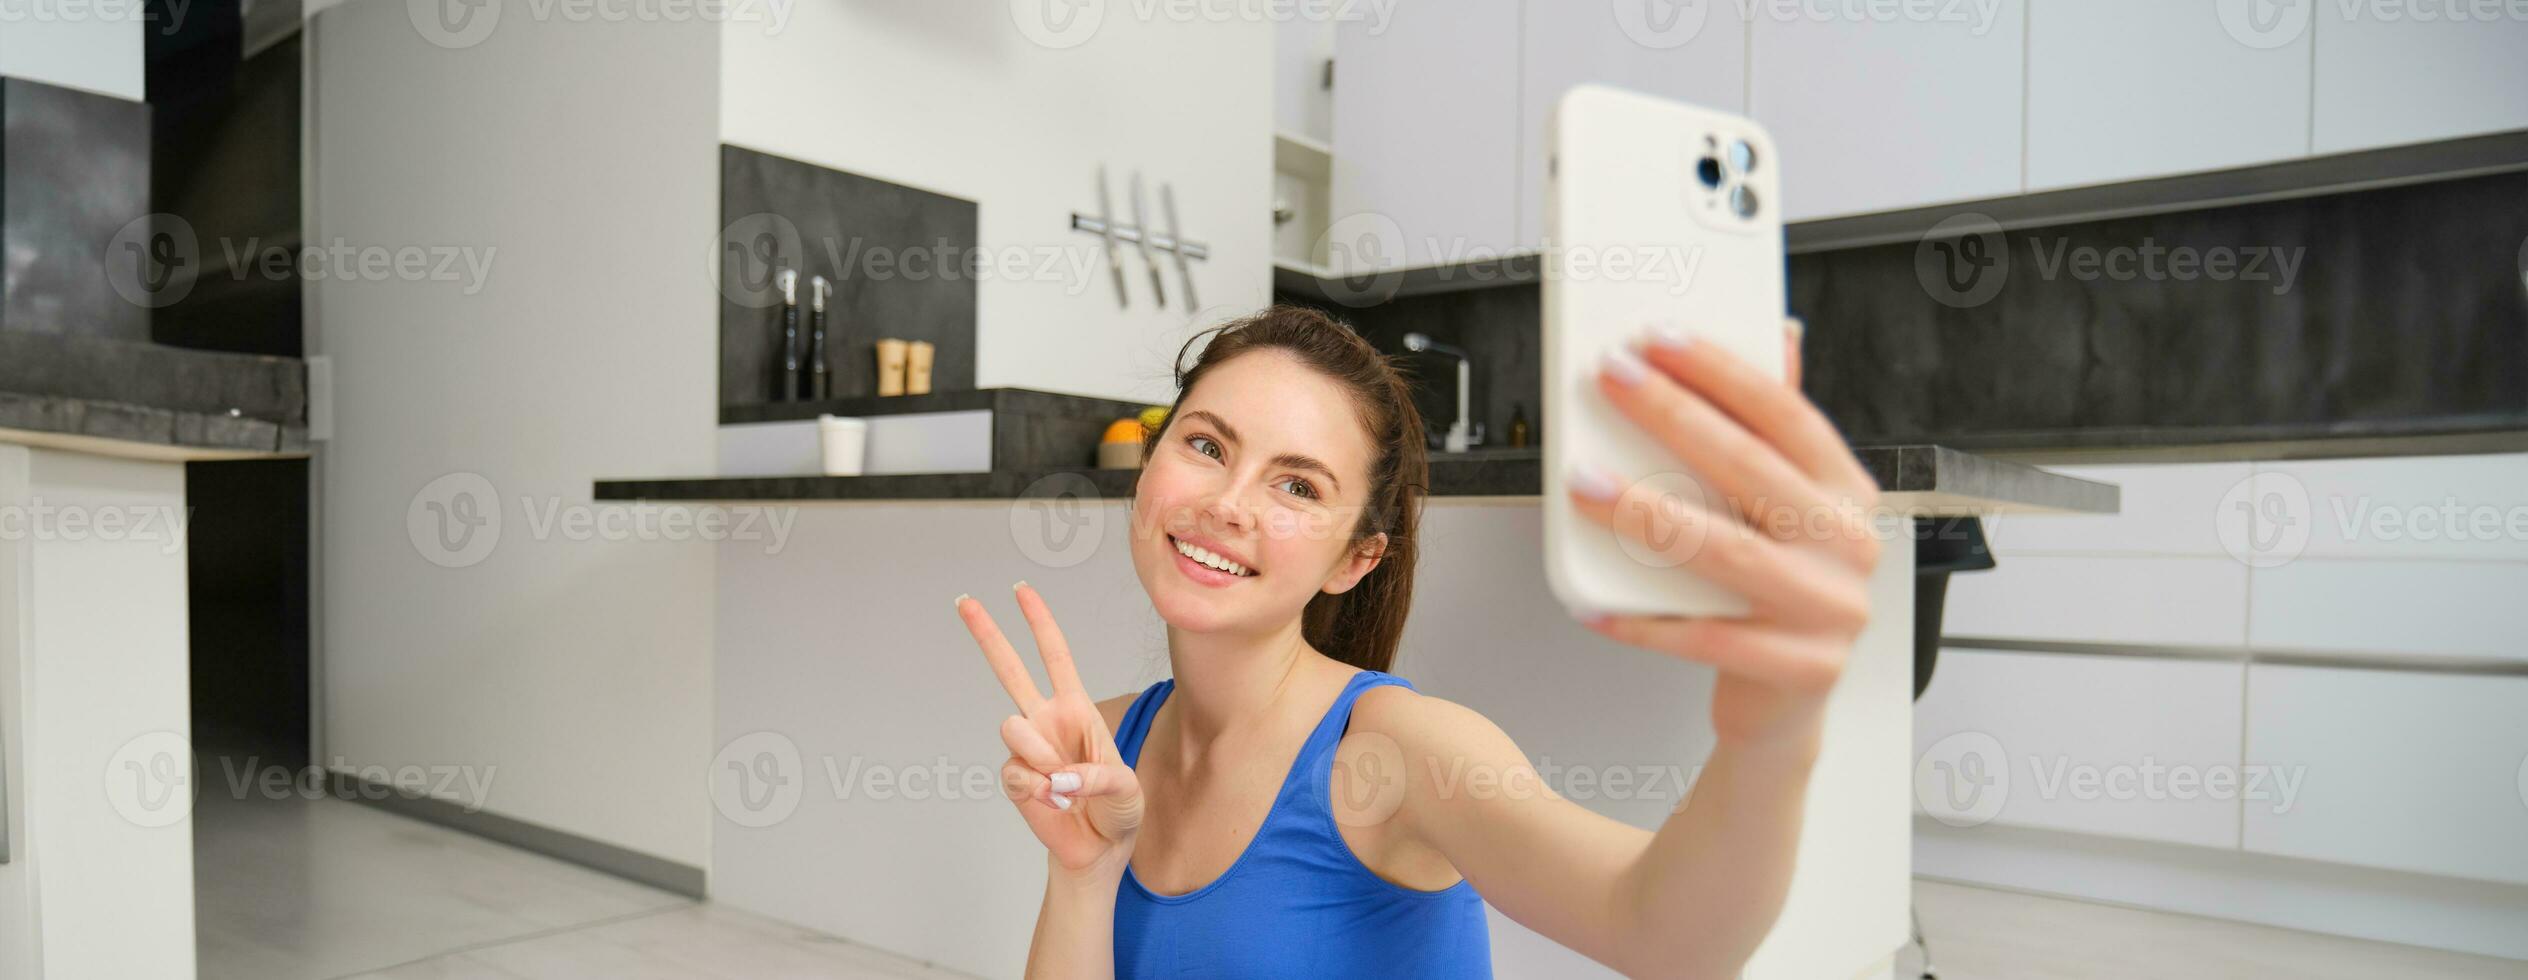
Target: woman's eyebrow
(1297,461)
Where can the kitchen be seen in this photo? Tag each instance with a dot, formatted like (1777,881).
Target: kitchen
(2214,318)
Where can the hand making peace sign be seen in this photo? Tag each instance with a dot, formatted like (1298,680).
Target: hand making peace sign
(1064,772)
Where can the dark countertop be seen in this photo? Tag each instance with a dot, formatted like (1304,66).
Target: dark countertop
(1930,479)
(117,397)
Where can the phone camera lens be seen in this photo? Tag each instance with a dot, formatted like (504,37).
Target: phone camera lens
(1742,200)
(1742,156)
(1708,171)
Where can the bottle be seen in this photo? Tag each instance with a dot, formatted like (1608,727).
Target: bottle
(787,388)
(1518,425)
(820,384)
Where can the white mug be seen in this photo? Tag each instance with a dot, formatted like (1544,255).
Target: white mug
(846,441)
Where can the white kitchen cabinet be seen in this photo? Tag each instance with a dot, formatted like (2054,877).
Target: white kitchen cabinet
(2148,88)
(2120,746)
(1425,136)
(2390,73)
(2413,772)
(2427,507)
(2164,509)
(1693,51)
(1879,114)
(2117,599)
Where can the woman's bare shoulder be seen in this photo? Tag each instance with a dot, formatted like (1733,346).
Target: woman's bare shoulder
(1418,721)
(1113,709)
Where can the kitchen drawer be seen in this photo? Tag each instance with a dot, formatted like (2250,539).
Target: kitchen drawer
(2413,772)
(2122,746)
(2393,607)
(2472,507)
(2166,509)
(2103,599)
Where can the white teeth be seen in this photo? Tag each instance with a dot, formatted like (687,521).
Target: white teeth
(1207,558)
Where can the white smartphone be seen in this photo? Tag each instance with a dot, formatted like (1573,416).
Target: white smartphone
(1655,211)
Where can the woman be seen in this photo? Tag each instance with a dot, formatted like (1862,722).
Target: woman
(1217,823)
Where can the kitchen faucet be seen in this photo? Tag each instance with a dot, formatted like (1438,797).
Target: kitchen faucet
(1463,434)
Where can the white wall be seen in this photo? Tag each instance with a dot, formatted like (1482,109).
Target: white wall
(841,658)
(93,655)
(97,47)
(955,98)
(581,159)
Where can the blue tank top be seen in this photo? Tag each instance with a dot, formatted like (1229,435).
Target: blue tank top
(1297,902)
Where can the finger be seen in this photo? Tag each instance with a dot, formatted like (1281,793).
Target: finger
(1093,779)
(1774,411)
(1030,745)
(1770,657)
(1049,642)
(1793,332)
(997,651)
(1022,783)
(1752,476)
(1779,582)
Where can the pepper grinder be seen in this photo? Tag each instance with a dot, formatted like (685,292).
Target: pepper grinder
(788,387)
(820,384)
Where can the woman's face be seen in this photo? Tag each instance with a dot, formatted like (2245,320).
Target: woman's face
(1263,465)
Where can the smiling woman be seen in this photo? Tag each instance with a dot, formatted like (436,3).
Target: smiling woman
(1217,822)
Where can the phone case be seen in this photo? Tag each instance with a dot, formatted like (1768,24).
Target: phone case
(1635,235)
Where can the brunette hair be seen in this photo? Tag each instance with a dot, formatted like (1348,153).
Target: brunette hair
(1362,625)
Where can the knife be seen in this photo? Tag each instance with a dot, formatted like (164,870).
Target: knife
(1106,225)
(1158,286)
(1176,244)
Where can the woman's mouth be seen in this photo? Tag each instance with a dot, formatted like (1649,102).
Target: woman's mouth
(1206,566)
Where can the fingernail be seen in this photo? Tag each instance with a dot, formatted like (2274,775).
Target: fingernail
(1590,617)
(1020,584)
(1066,782)
(1798,328)
(1594,483)
(1061,802)
(1626,367)
(961,601)
(1670,337)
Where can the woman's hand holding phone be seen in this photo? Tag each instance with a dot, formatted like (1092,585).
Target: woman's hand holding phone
(1064,772)
(1786,523)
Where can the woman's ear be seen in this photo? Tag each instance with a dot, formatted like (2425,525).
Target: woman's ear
(1357,566)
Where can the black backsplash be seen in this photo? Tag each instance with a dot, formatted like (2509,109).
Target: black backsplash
(74,173)
(2393,311)
(901,260)
(2405,311)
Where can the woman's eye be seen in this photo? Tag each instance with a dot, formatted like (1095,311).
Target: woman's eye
(1301,487)
(1198,442)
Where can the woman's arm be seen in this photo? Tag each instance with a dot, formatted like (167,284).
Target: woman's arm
(1790,529)
(1075,928)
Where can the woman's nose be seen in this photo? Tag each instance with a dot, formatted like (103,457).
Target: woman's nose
(1229,508)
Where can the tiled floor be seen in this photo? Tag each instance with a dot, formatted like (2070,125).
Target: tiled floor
(324,889)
